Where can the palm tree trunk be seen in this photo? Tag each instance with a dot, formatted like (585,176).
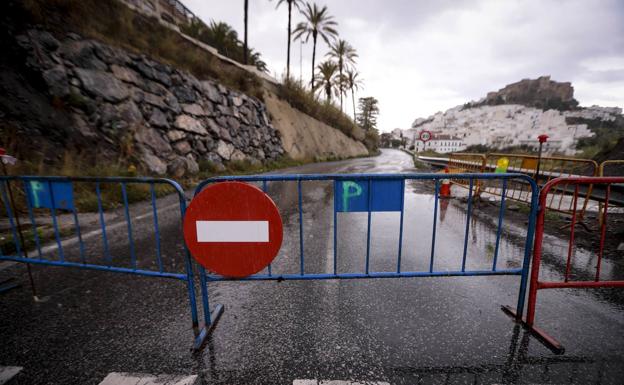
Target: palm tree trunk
(313,57)
(353,99)
(340,84)
(245,48)
(288,49)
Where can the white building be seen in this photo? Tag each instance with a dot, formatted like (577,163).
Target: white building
(509,125)
(442,143)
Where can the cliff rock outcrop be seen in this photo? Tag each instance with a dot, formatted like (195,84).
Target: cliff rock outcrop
(165,119)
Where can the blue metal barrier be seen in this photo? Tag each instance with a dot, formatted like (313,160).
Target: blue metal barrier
(387,185)
(45,196)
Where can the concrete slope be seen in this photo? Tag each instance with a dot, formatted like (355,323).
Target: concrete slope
(304,137)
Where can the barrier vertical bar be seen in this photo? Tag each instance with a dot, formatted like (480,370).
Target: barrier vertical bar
(79,235)
(57,235)
(129,224)
(7,207)
(264,190)
(335,229)
(204,290)
(501,214)
(603,231)
(527,250)
(31,215)
(188,265)
(401,225)
(368,229)
(468,215)
(301,256)
(572,226)
(435,221)
(156,227)
(536,228)
(102,223)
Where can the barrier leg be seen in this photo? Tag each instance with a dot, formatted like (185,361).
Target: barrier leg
(210,318)
(528,323)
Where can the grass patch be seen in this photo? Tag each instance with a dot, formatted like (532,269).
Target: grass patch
(114,23)
(305,101)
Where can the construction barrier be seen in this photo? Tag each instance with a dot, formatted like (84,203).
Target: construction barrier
(369,194)
(550,167)
(65,221)
(463,162)
(568,279)
(614,167)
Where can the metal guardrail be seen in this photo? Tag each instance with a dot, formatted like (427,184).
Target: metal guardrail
(394,185)
(568,280)
(54,200)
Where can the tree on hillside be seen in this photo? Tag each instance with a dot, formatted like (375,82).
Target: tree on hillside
(327,79)
(297,4)
(345,55)
(353,82)
(367,118)
(318,23)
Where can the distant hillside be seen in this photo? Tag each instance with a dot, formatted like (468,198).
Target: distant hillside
(512,118)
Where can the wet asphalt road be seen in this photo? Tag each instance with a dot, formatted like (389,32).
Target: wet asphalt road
(402,331)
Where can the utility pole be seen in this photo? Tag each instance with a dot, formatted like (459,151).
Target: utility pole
(245,58)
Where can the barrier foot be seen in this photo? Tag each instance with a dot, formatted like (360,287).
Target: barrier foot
(7,285)
(538,333)
(207,329)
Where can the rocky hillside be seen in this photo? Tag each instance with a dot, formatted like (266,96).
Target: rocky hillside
(539,93)
(515,115)
(65,95)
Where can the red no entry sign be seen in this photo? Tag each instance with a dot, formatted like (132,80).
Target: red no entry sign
(233,229)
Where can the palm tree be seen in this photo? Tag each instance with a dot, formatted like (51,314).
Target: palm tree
(353,82)
(345,55)
(221,36)
(298,4)
(318,23)
(245,53)
(327,79)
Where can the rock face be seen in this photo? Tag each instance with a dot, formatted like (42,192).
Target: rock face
(539,93)
(170,119)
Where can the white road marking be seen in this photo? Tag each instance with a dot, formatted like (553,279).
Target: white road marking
(337,382)
(148,379)
(8,372)
(232,231)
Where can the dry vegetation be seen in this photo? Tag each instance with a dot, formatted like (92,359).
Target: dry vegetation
(115,24)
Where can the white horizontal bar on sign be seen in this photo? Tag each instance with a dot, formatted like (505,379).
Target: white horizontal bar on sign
(232,231)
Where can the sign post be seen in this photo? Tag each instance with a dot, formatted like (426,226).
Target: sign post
(233,229)
(542,139)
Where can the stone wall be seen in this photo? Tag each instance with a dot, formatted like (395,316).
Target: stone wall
(171,119)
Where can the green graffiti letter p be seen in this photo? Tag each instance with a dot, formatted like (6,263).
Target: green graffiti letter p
(36,187)
(349,190)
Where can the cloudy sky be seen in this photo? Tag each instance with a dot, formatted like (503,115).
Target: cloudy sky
(420,57)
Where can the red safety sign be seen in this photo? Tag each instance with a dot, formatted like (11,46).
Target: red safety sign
(425,136)
(233,229)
